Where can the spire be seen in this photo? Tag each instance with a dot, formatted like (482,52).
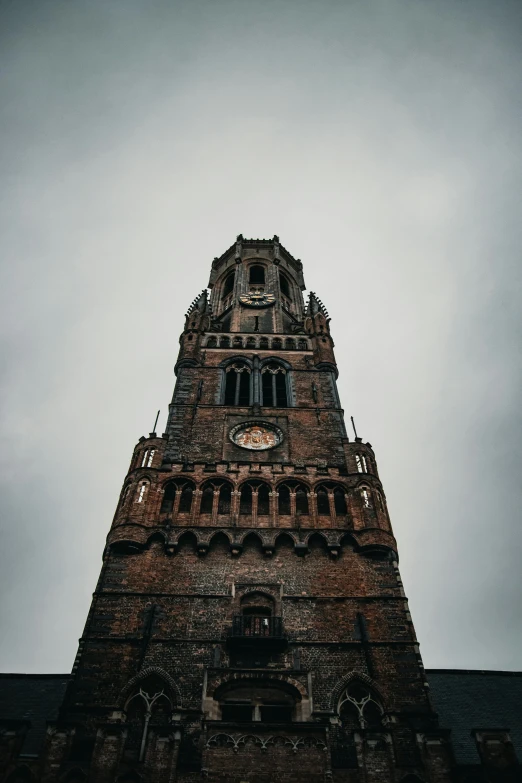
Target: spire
(315,306)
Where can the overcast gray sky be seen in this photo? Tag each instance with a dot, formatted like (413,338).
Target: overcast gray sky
(382,141)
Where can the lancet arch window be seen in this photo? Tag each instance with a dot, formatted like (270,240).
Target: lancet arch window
(148,457)
(284,285)
(331,500)
(292,499)
(254,499)
(238,384)
(142,491)
(274,386)
(177,497)
(366,497)
(359,707)
(216,497)
(361,463)
(150,706)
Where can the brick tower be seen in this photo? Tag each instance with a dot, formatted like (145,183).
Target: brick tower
(249,623)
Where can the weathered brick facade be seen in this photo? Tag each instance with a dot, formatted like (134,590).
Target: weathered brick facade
(249,623)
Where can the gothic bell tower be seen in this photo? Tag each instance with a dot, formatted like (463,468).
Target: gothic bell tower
(249,623)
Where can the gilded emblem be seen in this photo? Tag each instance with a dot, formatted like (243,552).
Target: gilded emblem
(256,436)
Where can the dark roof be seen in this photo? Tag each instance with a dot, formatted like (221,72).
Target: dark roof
(467,699)
(32,697)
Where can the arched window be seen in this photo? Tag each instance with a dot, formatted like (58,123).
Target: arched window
(277,344)
(251,342)
(340,501)
(290,344)
(224,342)
(237,384)
(207,499)
(255,497)
(245,500)
(212,342)
(150,706)
(284,501)
(285,285)
(141,493)
(302,345)
(301,501)
(366,497)
(237,342)
(274,390)
(228,285)
(257,275)
(217,494)
(148,457)
(359,705)
(296,491)
(184,490)
(263,499)
(225,498)
(263,343)
(380,501)
(362,465)
(323,504)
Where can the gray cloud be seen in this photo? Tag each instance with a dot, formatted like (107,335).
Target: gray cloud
(381,141)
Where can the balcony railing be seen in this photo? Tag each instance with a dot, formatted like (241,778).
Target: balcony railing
(249,629)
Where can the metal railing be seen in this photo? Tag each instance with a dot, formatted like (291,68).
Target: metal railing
(251,626)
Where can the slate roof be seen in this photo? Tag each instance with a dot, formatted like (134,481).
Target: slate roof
(35,698)
(466,699)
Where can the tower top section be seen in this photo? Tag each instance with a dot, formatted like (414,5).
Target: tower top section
(270,249)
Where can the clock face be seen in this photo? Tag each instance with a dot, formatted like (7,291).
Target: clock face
(256,436)
(257,299)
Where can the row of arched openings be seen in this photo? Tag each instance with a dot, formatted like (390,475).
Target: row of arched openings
(292,498)
(261,343)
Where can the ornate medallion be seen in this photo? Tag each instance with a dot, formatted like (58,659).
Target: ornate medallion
(256,436)
(257,299)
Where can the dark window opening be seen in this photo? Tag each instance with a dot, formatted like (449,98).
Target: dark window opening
(225,499)
(257,275)
(240,713)
(284,501)
(340,501)
(207,500)
(276,713)
(228,285)
(224,342)
(323,505)
(185,503)
(245,501)
(285,285)
(301,502)
(274,386)
(237,386)
(168,499)
(263,500)
(263,343)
